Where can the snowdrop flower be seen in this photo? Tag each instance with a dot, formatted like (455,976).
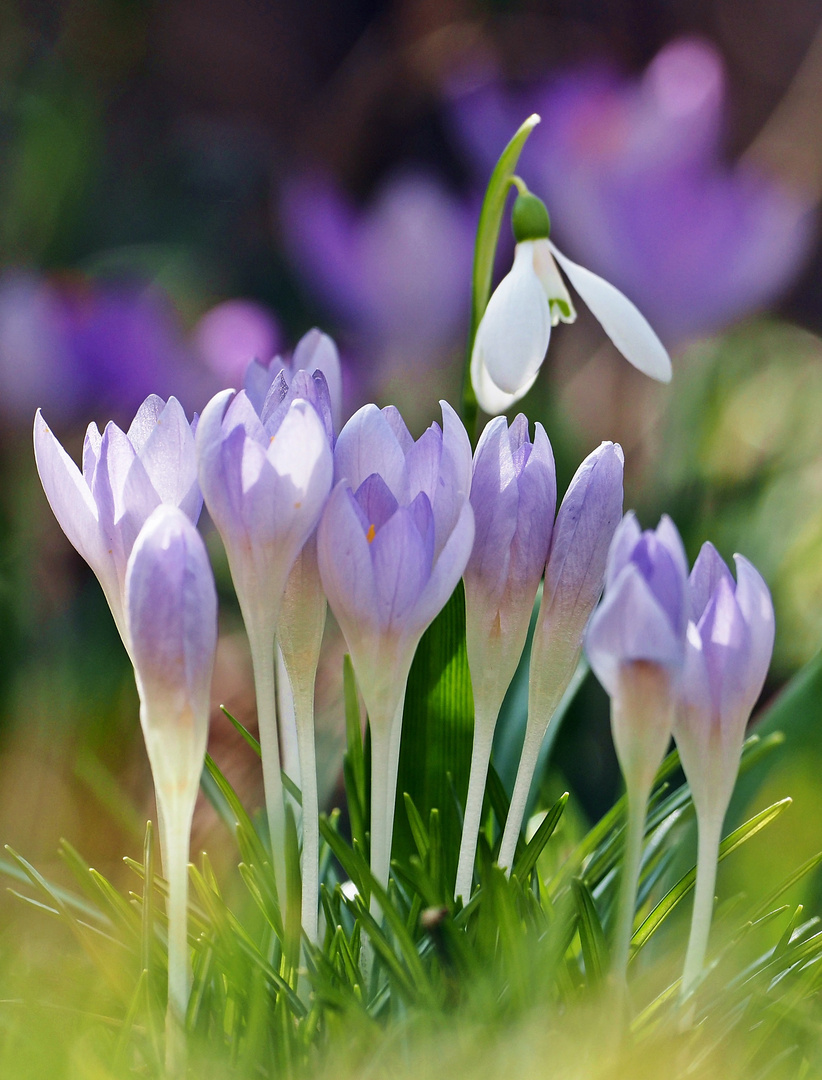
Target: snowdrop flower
(636,645)
(587,518)
(171,610)
(513,496)
(513,334)
(125,477)
(392,544)
(265,484)
(729,646)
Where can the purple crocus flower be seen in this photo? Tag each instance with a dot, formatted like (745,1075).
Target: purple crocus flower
(315,351)
(302,615)
(392,544)
(636,645)
(729,646)
(513,496)
(408,251)
(574,573)
(125,476)
(265,484)
(632,172)
(171,610)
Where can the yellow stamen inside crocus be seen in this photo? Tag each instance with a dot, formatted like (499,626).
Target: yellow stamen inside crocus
(372,532)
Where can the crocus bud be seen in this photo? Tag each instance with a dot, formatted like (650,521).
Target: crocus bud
(587,518)
(728,650)
(392,544)
(513,496)
(125,476)
(314,352)
(171,609)
(636,645)
(513,334)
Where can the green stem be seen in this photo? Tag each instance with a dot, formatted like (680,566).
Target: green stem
(303,693)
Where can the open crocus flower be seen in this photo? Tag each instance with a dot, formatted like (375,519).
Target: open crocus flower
(392,544)
(513,496)
(125,476)
(636,645)
(265,485)
(513,334)
(729,646)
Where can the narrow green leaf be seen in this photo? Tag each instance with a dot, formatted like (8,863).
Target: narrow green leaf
(679,891)
(418,830)
(243,730)
(147,910)
(534,848)
(591,935)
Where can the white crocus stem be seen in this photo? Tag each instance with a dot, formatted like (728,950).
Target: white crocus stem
(629,880)
(534,734)
(381,829)
(175,818)
(287,722)
(485,720)
(710,833)
(261,642)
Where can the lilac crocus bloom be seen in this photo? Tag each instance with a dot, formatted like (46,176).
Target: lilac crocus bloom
(633,174)
(302,615)
(265,484)
(574,573)
(729,646)
(125,476)
(636,645)
(408,251)
(171,609)
(315,351)
(392,544)
(513,496)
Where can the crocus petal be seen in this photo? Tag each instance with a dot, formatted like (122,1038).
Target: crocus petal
(755,603)
(368,444)
(621,320)
(709,569)
(68,494)
(316,351)
(374,498)
(169,458)
(626,538)
(447,570)
(345,564)
(402,565)
(91,452)
(494,500)
(535,513)
(668,534)
(630,625)
(145,421)
(726,645)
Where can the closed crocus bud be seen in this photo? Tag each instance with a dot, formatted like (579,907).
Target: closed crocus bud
(392,544)
(171,609)
(125,476)
(265,486)
(728,651)
(513,334)
(574,574)
(513,496)
(636,646)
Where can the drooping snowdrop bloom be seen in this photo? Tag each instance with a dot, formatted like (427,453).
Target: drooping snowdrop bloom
(513,334)
(636,645)
(302,616)
(171,612)
(125,476)
(513,496)
(574,573)
(729,646)
(265,485)
(392,544)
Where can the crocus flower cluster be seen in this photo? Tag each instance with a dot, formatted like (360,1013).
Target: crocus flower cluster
(685,656)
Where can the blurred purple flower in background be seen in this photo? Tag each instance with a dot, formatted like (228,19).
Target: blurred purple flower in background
(632,173)
(233,333)
(396,271)
(68,344)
